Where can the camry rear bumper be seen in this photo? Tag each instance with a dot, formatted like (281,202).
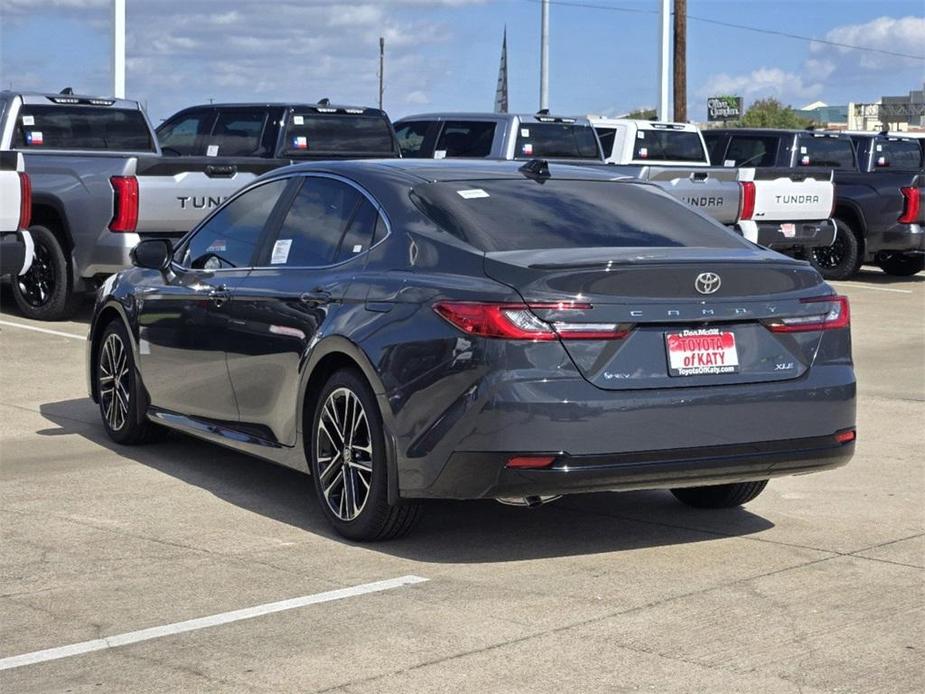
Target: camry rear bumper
(474,475)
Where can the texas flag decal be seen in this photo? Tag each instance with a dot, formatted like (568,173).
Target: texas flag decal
(34,137)
(300,142)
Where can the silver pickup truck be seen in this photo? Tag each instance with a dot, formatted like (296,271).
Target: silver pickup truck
(775,208)
(99,185)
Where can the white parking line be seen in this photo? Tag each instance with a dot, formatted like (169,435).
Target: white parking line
(203,622)
(43,330)
(852,285)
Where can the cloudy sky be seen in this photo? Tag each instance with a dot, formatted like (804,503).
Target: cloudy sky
(443,54)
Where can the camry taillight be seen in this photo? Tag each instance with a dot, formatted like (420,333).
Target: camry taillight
(836,315)
(25,201)
(911,205)
(747,208)
(519,322)
(125,204)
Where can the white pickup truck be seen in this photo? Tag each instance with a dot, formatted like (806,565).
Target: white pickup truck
(16,248)
(772,207)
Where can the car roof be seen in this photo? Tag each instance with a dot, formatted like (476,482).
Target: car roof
(43,98)
(777,131)
(280,104)
(434,170)
(490,116)
(643,124)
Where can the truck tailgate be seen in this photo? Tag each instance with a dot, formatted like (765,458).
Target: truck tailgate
(714,191)
(782,195)
(176,193)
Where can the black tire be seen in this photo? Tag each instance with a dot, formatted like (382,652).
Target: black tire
(900,265)
(46,291)
(372,517)
(842,259)
(720,495)
(118,386)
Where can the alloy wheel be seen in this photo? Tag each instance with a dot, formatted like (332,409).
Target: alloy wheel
(114,382)
(832,256)
(38,284)
(344,454)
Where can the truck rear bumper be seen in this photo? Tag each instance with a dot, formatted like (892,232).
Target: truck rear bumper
(790,235)
(16,251)
(902,238)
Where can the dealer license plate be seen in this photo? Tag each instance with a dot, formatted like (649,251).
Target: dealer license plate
(704,351)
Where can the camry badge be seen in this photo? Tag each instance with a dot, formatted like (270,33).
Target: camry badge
(707,282)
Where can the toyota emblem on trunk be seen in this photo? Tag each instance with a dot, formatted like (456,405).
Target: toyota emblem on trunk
(707,282)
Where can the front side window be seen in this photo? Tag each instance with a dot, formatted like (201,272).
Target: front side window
(465,139)
(411,138)
(328,222)
(831,152)
(230,237)
(100,128)
(751,150)
(238,133)
(556,140)
(181,136)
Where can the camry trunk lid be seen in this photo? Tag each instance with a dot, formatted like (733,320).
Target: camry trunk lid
(682,316)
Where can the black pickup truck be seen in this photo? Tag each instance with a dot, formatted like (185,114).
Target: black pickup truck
(878,191)
(279,133)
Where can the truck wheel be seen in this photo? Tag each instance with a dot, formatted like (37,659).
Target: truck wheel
(840,260)
(901,265)
(44,292)
(720,495)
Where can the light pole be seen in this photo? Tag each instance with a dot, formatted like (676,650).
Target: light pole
(118,49)
(663,62)
(544,56)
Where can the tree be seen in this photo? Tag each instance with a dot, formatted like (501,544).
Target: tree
(642,114)
(771,113)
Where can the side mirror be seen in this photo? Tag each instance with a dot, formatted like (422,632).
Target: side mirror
(153,254)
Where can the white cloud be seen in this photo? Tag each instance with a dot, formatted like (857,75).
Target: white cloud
(760,83)
(897,35)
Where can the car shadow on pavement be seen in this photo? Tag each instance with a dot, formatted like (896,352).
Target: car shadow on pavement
(82,314)
(869,275)
(450,531)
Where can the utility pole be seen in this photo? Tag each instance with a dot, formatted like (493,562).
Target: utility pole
(381,68)
(544,56)
(665,18)
(118,49)
(680,60)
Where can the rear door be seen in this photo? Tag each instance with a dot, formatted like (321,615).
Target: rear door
(184,315)
(305,268)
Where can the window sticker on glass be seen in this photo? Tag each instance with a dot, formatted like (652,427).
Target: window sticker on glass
(440,154)
(879,148)
(472,193)
(802,150)
(528,148)
(300,142)
(357,248)
(640,134)
(804,161)
(525,132)
(643,152)
(28,120)
(217,246)
(280,251)
(212,151)
(34,137)
(298,120)
(729,163)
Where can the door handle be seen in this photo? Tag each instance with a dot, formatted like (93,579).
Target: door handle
(316,296)
(219,295)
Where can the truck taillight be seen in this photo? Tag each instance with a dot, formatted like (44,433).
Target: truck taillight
(25,201)
(911,205)
(747,208)
(125,204)
(837,316)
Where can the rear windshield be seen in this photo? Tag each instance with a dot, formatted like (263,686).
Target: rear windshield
(512,214)
(835,153)
(82,127)
(669,145)
(897,154)
(556,140)
(315,133)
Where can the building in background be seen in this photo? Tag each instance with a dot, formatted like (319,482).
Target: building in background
(825,116)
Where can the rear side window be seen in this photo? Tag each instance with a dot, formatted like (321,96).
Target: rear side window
(556,140)
(607,137)
(339,134)
(835,153)
(229,239)
(465,139)
(751,150)
(411,138)
(507,215)
(328,222)
(668,145)
(82,127)
(183,135)
(897,154)
(238,133)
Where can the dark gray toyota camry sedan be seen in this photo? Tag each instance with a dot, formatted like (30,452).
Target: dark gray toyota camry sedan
(413,329)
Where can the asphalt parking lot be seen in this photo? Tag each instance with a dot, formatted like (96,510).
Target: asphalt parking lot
(816,586)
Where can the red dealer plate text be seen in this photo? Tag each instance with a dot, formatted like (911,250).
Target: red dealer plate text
(698,352)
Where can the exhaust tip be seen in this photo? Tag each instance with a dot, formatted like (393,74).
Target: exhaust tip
(526,501)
